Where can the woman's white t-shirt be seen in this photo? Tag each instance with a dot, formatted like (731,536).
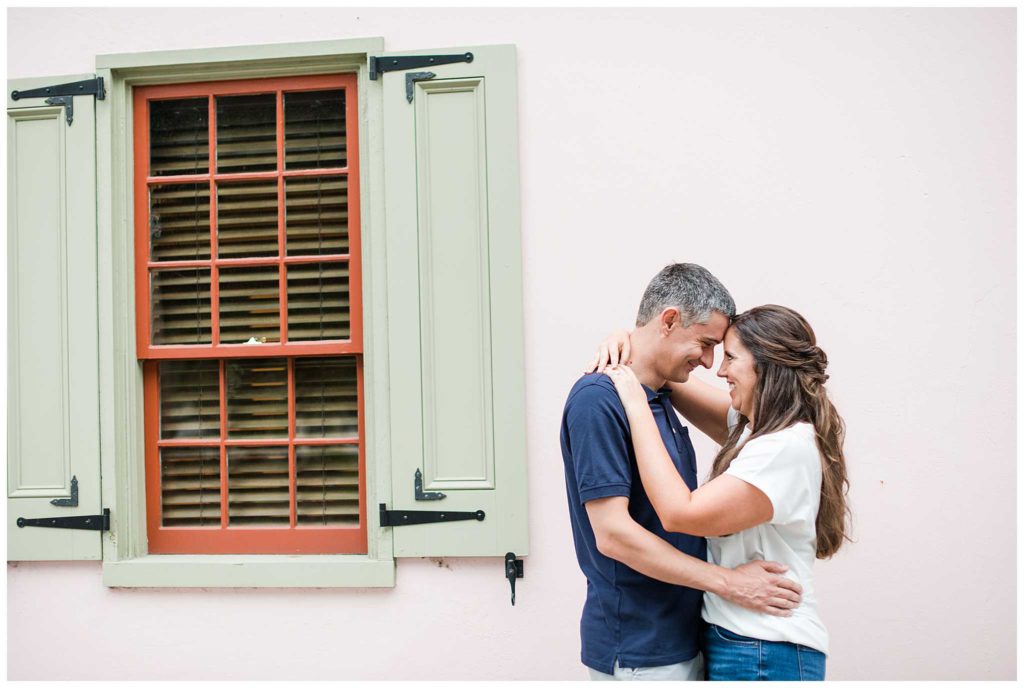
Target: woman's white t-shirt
(786,466)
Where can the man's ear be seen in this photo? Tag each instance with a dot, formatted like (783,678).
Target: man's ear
(669,319)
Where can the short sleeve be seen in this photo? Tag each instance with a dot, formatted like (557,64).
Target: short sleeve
(784,466)
(599,442)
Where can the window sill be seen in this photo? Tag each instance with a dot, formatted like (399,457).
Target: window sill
(250,571)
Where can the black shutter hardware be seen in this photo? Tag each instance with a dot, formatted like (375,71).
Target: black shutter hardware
(410,82)
(73,499)
(417,487)
(392,519)
(63,94)
(99,522)
(513,570)
(401,63)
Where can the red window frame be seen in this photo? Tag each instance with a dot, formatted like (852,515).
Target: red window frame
(240,539)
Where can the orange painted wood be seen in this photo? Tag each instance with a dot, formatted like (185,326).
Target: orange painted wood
(294,539)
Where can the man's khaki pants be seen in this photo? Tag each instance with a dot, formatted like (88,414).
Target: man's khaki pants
(692,670)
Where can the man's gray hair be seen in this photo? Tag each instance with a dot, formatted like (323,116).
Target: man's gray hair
(691,289)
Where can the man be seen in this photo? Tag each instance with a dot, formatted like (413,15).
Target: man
(641,618)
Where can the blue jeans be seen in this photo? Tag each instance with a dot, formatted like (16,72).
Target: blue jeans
(732,657)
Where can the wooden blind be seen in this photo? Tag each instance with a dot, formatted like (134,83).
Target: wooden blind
(190,486)
(181,306)
(247,286)
(180,135)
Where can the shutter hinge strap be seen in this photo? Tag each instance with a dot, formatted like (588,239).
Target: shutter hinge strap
(63,94)
(98,522)
(391,519)
(400,63)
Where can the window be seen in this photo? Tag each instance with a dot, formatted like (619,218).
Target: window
(265,387)
(249,315)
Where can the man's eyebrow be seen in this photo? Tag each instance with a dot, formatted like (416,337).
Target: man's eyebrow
(711,340)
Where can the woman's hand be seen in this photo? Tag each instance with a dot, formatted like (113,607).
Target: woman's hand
(612,350)
(629,388)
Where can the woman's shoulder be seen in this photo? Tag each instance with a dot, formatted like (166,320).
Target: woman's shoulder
(793,444)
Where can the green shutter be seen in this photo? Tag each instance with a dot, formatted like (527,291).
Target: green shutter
(52,366)
(455,321)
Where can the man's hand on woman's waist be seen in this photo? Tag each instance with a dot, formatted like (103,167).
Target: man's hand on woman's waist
(759,586)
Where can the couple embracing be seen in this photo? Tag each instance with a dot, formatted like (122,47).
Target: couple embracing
(713,582)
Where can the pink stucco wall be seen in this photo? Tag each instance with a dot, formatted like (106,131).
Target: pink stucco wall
(857,165)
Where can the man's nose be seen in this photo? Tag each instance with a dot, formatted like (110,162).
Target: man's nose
(707,359)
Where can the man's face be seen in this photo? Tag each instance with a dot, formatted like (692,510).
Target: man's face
(685,348)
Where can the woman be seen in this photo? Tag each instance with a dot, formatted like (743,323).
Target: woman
(777,487)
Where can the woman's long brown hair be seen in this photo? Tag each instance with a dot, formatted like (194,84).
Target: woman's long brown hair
(791,388)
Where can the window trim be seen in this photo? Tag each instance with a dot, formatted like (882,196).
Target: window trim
(125,558)
(232,537)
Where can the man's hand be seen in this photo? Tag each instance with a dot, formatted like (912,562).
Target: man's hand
(758,586)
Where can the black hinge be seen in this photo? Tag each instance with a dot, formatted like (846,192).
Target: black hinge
(391,519)
(73,499)
(98,522)
(417,489)
(63,94)
(410,82)
(400,63)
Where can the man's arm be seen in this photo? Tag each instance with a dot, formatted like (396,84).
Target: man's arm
(705,406)
(755,586)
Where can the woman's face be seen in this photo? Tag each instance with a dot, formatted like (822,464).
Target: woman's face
(738,369)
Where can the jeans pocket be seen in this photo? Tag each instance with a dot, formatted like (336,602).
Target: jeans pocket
(731,657)
(728,636)
(811,663)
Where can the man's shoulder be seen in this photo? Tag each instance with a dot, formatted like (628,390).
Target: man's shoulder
(592,388)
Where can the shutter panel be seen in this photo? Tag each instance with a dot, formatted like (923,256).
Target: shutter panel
(53,386)
(455,303)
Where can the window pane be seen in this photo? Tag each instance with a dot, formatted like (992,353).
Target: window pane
(179,222)
(249,307)
(247,133)
(181,306)
(190,486)
(314,134)
(258,486)
(257,398)
(326,397)
(316,215)
(189,399)
(247,219)
(327,485)
(318,305)
(179,136)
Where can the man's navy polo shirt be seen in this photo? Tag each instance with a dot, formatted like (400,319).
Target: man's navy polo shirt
(627,617)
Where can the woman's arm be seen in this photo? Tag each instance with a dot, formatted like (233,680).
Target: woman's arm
(725,505)
(705,406)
